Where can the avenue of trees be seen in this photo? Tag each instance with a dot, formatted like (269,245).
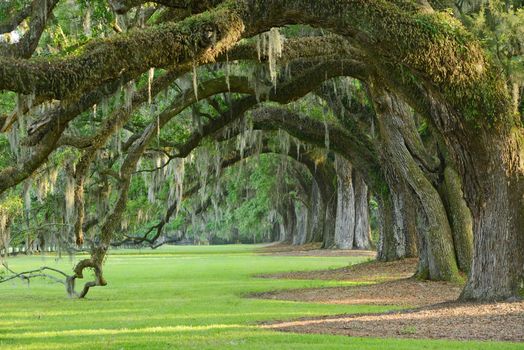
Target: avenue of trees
(394,125)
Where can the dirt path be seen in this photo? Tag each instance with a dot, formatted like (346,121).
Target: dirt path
(405,292)
(499,321)
(372,271)
(387,283)
(434,313)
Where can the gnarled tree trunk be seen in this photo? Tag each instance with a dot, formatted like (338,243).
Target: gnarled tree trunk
(460,218)
(498,219)
(391,112)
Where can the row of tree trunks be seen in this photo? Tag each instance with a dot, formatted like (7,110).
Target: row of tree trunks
(399,204)
(332,217)
(413,182)
(422,213)
(405,212)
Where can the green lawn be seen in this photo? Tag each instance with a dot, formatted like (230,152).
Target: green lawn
(180,297)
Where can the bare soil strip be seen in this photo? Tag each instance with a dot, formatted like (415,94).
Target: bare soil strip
(406,292)
(391,285)
(498,321)
(373,271)
(435,314)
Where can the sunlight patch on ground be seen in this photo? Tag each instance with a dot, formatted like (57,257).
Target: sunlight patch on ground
(146,330)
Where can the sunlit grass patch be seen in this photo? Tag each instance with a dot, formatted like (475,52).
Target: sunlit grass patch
(181,298)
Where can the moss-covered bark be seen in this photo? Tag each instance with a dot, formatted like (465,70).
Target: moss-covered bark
(460,219)
(197,39)
(38,13)
(390,113)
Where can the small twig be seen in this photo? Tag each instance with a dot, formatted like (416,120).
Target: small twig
(170,158)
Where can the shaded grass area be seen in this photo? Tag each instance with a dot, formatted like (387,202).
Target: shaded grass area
(182,297)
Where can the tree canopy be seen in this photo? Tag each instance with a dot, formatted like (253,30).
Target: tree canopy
(127,122)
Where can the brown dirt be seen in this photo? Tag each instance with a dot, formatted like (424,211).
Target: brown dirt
(373,271)
(406,292)
(390,285)
(311,249)
(498,321)
(436,315)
